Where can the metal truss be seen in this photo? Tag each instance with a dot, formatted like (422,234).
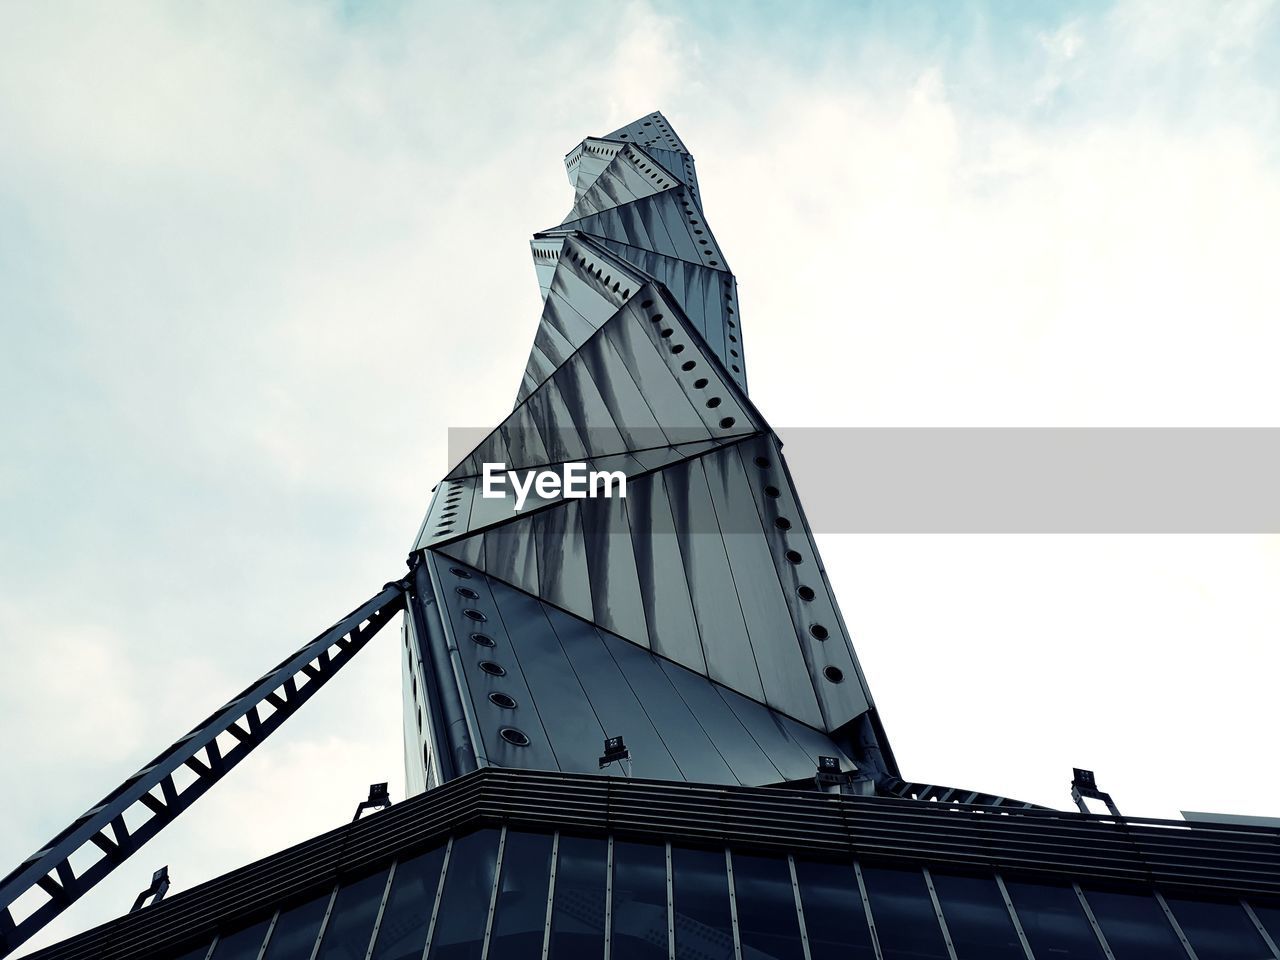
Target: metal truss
(114,829)
(894,787)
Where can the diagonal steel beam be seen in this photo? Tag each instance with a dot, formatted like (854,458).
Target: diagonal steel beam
(154,796)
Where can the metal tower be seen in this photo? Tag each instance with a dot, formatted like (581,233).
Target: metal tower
(693,617)
(637,723)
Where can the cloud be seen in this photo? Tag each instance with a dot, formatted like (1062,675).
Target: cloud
(254,262)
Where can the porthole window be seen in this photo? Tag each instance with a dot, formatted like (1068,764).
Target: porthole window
(818,632)
(678,348)
(475,615)
(834,674)
(483,639)
(688,365)
(700,383)
(713,402)
(502,700)
(762,462)
(656,318)
(794,556)
(646,303)
(514,737)
(772,492)
(727,422)
(493,669)
(666,332)
(782,523)
(805,593)
(466,592)
(459,572)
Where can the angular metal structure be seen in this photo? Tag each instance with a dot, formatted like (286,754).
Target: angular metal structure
(693,617)
(746,805)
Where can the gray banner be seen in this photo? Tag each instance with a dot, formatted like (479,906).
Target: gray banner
(1027,480)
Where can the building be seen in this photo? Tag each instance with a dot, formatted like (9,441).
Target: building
(636,727)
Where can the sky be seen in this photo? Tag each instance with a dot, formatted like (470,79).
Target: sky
(257,259)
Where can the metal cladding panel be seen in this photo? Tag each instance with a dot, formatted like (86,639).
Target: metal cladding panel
(725,642)
(680,420)
(628,410)
(612,698)
(511,555)
(555,426)
(469,551)
(659,223)
(589,412)
(787,743)
(680,164)
(668,609)
(706,295)
(615,585)
(777,650)
(525,445)
(689,744)
(746,759)
(816,620)
(488,717)
(590,286)
(546,254)
(562,558)
(585,161)
(631,175)
(651,130)
(556,696)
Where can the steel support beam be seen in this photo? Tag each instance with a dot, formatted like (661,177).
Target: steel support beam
(143,805)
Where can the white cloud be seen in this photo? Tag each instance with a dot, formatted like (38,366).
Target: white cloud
(255,261)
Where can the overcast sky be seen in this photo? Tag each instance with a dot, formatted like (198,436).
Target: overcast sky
(256,259)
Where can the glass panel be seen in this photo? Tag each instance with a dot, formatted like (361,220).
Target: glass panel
(350,927)
(1135,926)
(1219,931)
(1269,917)
(905,919)
(1054,921)
(464,905)
(577,921)
(522,898)
(977,918)
(403,931)
(834,916)
(243,944)
(295,934)
(639,918)
(767,920)
(195,953)
(704,928)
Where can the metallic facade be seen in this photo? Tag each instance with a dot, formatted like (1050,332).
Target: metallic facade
(759,811)
(692,617)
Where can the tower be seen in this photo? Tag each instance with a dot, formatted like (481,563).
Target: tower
(635,726)
(692,616)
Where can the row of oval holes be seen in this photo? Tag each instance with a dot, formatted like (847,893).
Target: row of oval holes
(646,168)
(689,212)
(794,557)
(512,735)
(450,509)
(664,333)
(596,272)
(661,127)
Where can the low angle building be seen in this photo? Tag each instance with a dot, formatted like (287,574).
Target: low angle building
(635,723)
